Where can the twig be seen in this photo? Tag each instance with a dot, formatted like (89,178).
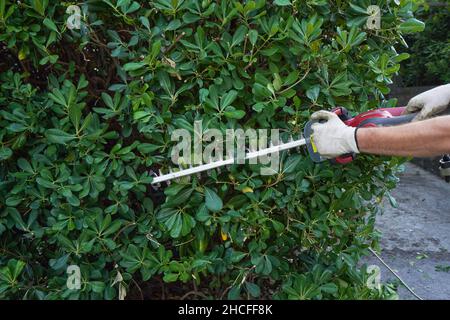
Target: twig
(123,228)
(296,83)
(163,289)
(195,293)
(183,243)
(175,42)
(395,274)
(139,288)
(256,51)
(225,291)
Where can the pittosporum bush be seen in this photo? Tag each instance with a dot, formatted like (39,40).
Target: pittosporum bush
(88,105)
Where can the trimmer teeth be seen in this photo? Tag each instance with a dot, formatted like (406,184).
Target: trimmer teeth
(155,186)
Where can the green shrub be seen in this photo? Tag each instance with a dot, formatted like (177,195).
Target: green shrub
(87,113)
(429,50)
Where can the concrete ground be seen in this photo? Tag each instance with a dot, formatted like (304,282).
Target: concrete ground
(416,235)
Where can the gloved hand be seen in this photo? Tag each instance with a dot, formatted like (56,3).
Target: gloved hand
(429,103)
(333,138)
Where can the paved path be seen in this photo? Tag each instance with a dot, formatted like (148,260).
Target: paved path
(416,235)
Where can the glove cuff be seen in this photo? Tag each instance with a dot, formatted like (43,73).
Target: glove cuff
(356,140)
(350,138)
(447,89)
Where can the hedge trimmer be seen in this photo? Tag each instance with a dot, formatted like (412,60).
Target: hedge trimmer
(373,118)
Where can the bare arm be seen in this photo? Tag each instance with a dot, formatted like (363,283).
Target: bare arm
(421,139)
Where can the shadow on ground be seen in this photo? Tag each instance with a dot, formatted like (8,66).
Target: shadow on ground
(416,235)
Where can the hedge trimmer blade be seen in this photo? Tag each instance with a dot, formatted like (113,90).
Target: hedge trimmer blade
(372,118)
(220,163)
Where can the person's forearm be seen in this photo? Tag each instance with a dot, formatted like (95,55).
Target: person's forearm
(421,139)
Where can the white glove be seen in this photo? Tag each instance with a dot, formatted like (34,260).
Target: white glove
(430,102)
(332,138)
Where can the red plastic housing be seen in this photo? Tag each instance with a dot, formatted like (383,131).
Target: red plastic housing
(378,113)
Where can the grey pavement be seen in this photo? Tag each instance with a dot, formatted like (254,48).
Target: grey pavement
(416,235)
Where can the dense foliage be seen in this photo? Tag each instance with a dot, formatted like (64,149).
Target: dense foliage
(430,50)
(87,113)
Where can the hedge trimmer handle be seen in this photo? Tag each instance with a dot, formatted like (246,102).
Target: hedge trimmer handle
(374,118)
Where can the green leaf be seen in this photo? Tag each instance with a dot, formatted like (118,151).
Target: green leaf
(411,25)
(108,100)
(313,93)
(50,24)
(282,2)
(234,293)
(291,163)
(25,165)
(359,9)
(238,256)
(228,99)
(148,147)
(13,201)
(239,35)
(15,267)
(143,116)
(232,113)
(5,153)
(59,263)
(175,224)
(2,9)
(17,127)
(97,286)
(202,214)
(178,223)
(330,288)
(132,66)
(39,6)
(17,218)
(133,7)
(173,25)
(278,226)
(253,36)
(212,200)
(392,201)
(263,264)
(58,97)
(45,183)
(170,277)
(258,107)
(59,136)
(252,289)
(75,115)
(401,57)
